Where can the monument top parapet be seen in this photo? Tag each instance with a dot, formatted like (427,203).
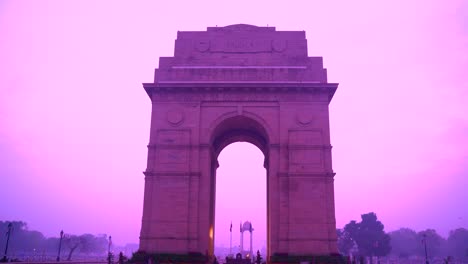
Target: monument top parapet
(241,27)
(241,53)
(241,39)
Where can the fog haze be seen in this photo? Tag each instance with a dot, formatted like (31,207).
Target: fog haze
(74,117)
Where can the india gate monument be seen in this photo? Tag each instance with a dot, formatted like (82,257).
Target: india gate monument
(239,83)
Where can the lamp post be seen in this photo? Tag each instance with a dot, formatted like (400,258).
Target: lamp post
(8,240)
(425,247)
(109,256)
(60,245)
(110,243)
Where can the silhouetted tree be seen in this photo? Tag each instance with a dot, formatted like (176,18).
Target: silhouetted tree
(93,244)
(22,239)
(71,242)
(51,244)
(25,241)
(404,242)
(435,243)
(457,244)
(369,236)
(86,243)
(345,242)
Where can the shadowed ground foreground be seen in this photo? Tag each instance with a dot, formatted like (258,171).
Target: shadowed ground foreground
(382,261)
(68,262)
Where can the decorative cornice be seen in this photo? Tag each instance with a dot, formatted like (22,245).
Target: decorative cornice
(291,146)
(148,173)
(319,175)
(237,67)
(170,146)
(239,91)
(263,86)
(204,145)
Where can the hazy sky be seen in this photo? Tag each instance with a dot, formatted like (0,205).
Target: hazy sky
(74,118)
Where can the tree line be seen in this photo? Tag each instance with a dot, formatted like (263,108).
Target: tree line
(27,243)
(367,238)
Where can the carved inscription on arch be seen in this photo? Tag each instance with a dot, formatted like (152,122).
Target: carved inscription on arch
(305,137)
(235,97)
(306,150)
(172,149)
(173,137)
(172,156)
(292,73)
(240,45)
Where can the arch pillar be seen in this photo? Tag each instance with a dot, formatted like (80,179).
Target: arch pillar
(274,229)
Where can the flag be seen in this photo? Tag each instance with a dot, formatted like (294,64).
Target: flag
(250,228)
(230,229)
(240,225)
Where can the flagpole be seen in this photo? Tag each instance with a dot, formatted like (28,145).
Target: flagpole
(230,240)
(241,239)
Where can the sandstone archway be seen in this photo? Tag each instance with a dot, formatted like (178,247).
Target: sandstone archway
(229,84)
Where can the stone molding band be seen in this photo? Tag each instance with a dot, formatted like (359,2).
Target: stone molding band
(171,174)
(200,146)
(256,86)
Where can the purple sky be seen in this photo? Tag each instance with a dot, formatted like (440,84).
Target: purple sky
(74,118)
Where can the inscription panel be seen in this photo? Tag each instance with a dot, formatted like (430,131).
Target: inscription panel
(171,150)
(305,137)
(172,156)
(236,97)
(240,74)
(306,156)
(173,137)
(175,189)
(171,160)
(305,160)
(240,45)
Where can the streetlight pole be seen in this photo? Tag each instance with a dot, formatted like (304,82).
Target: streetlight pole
(109,256)
(8,240)
(60,245)
(110,243)
(425,248)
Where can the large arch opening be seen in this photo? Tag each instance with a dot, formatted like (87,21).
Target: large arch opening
(240,197)
(239,193)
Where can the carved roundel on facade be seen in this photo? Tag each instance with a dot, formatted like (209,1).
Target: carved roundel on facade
(303,118)
(175,117)
(202,45)
(278,45)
